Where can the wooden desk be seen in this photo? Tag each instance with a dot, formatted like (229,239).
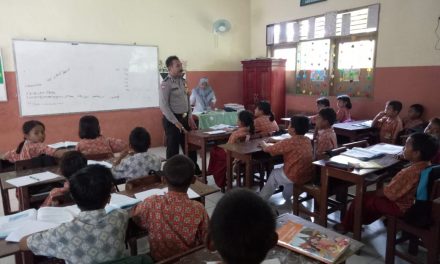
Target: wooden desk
(352,130)
(358,177)
(199,187)
(199,139)
(203,255)
(247,152)
(24,193)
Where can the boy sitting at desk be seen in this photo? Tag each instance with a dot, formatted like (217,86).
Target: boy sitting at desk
(298,156)
(137,162)
(389,122)
(398,196)
(93,236)
(325,136)
(175,223)
(242,228)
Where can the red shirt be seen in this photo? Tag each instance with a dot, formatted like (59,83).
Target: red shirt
(325,140)
(30,150)
(389,128)
(402,188)
(238,135)
(175,223)
(101,145)
(343,115)
(264,126)
(297,155)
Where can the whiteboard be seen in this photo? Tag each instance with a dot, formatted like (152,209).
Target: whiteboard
(66,77)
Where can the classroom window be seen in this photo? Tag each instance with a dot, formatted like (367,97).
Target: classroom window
(313,55)
(276,34)
(289,32)
(289,54)
(319,27)
(356,54)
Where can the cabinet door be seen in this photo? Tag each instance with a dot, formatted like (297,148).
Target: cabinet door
(263,90)
(249,86)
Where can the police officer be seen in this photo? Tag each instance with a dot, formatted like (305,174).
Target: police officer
(174,104)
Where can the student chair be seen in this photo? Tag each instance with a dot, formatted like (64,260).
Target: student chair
(313,191)
(427,236)
(357,144)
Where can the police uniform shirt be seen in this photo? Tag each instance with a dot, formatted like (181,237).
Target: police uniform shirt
(173,98)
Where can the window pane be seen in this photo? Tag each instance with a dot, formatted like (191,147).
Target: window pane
(356,54)
(319,27)
(289,31)
(276,32)
(313,55)
(289,54)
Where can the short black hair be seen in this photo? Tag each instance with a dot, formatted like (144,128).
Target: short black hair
(91,186)
(265,107)
(89,127)
(242,227)
(323,101)
(170,59)
(328,114)
(179,171)
(301,124)
(247,118)
(426,144)
(345,98)
(396,105)
(71,162)
(418,108)
(140,139)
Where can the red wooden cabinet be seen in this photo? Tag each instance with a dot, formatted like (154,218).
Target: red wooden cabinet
(265,79)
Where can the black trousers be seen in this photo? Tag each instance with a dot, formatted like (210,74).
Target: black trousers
(176,138)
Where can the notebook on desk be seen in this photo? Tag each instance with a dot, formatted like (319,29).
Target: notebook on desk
(363,154)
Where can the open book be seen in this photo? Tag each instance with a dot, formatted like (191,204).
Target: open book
(311,242)
(14,227)
(65,144)
(145,194)
(33,178)
(363,154)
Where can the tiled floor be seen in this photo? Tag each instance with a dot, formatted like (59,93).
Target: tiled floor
(374,235)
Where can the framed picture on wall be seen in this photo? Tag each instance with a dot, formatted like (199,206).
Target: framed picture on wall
(309,2)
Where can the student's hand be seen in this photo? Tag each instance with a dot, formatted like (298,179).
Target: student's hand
(381,114)
(263,145)
(23,244)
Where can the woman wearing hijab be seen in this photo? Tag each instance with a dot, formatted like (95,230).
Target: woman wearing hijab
(203,97)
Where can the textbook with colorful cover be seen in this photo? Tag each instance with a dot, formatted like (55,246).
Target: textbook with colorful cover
(311,242)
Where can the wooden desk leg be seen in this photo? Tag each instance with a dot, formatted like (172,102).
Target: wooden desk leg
(24,202)
(248,174)
(6,202)
(228,170)
(357,228)
(203,154)
(323,199)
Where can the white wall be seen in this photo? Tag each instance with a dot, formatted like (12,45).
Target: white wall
(181,27)
(406,27)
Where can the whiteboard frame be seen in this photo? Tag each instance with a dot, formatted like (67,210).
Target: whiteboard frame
(80,42)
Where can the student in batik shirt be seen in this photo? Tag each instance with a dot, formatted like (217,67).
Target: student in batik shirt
(137,162)
(325,136)
(298,156)
(217,161)
(71,162)
(344,107)
(175,223)
(398,196)
(94,236)
(433,129)
(414,121)
(264,121)
(242,228)
(32,146)
(92,142)
(389,122)
(321,103)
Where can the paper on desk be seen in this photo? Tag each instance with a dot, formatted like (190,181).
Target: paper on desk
(64,144)
(31,179)
(281,137)
(387,148)
(215,132)
(220,126)
(57,215)
(29,227)
(145,194)
(103,163)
